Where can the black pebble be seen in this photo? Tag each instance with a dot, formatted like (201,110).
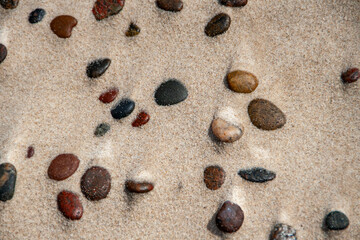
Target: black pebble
(336,220)
(37,15)
(170,92)
(123,108)
(3,52)
(7,181)
(102,129)
(257,174)
(98,67)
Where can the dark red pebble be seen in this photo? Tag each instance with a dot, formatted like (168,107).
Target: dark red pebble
(63,166)
(3,52)
(30,152)
(70,205)
(141,119)
(234,3)
(106,8)
(230,217)
(109,95)
(138,187)
(96,183)
(351,75)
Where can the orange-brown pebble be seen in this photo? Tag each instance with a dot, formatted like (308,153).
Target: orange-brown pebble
(226,131)
(138,187)
(62,25)
(242,82)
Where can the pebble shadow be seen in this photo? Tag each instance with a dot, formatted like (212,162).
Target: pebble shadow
(219,146)
(211,226)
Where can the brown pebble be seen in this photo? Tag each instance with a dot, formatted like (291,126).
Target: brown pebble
(70,205)
(214,177)
(226,131)
(96,183)
(3,52)
(141,119)
(133,30)
(109,95)
(218,25)
(230,217)
(234,3)
(9,4)
(351,75)
(30,152)
(62,25)
(63,166)
(170,5)
(242,82)
(138,187)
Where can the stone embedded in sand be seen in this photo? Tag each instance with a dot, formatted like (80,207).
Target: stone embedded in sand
(97,67)
(218,25)
(123,108)
(230,217)
(109,95)
(336,220)
(37,15)
(101,129)
(242,82)
(170,5)
(106,8)
(141,119)
(7,181)
(234,3)
(138,187)
(9,4)
(283,232)
(214,177)
(30,152)
(266,115)
(63,166)
(133,30)
(96,183)
(257,174)
(3,52)
(62,25)
(70,205)
(170,92)
(351,75)
(226,131)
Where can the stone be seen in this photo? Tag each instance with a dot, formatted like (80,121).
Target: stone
(242,82)
(123,108)
(226,131)
(214,177)
(257,174)
(234,3)
(70,205)
(109,95)
(141,119)
(283,232)
(95,183)
(351,75)
(30,152)
(265,115)
(229,218)
(133,30)
(336,220)
(101,129)
(3,52)
(105,8)
(62,25)
(37,15)
(170,5)
(97,67)
(7,181)
(9,4)
(218,25)
(63,166)
(138,187)
(170,92)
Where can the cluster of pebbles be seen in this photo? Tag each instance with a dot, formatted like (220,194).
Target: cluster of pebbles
(226,126)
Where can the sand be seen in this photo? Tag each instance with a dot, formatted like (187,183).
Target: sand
(297,49)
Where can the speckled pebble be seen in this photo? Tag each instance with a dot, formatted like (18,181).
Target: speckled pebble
(336,220)
(37,15)
(170,5)
(63,166)
(138,187)
(170,92)
(123,108)
(230,217)
(63,25)
(234,3)
(7,181)
(96,183)
(97,67)
(101,129)
(283,232)
(218,25)
(3,52)
(242,81)
(257,174)
(9,4)
(105,8)
(70,205)
(214,177)
(133,30)
(226,131)
(141,119)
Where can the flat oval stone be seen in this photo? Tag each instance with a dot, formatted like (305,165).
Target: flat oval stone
(218,25)
(226,131)
(351,75)
(133,30)
(96,183)
(9,4)
(30,152)
(141,119)
(170,92)
(214,177)
(283,232)
(37,15)
(109,95)
(123,108)
(234,3)
(106,8)
(97,67)
(62,25)
(7,181)
(70,205)
(138,187)
(265,115)
(336,220)
(170,5)
(63,166)
(242,82)
(101,129)
(3,52)
(230,217)
(257,174)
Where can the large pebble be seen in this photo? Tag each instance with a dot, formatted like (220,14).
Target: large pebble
(123,108)
(257,174)
(336,220)
(283,232)
(7,181)
(106,8)
(242,81)
(266,115)
(218,25)
(3,52)
(70,205)
(214,177)
(97,67)
(234,3)
(9,4)
(170,92)
(230,217)
(62,25)
(37,15)
(170,5)
(226,131)
(96,183)
(63,166)
(138,187)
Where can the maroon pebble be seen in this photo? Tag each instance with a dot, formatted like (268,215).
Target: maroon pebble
(138,187)
(106,8)
(70,205)
(30,152)
(141,119)
(351,75)
(109,95)
(214,177)
(63,166)
(96,183)
(3,52)
(230,217)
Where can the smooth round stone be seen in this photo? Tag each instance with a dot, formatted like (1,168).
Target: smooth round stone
(62,25)
(70,205)
(351,75)
(63,166)
(97,67)
(109,95)
(96,183)
(30,152)
(230,217)
(234,3)
(106,8)
(226,131)
(336,220)
(141,119)
(123,108)
(133,30)
(170,5)
(138,187)
(214,177)
(3,52)
(265,115)
(101,129)
(37,15)
(7,181)
(170,92)
(283,232)
(9,4)
(257,174)
(242,82)
(218,25)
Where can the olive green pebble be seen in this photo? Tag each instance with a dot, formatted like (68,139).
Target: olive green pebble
(101,129)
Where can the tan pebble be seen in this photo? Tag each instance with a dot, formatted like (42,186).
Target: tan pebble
(226,131)
(242,82)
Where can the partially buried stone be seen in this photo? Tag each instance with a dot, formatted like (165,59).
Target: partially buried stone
(7,181)
(230,217)
(266,115)
(283,232)
(70,205)
(257,174)
(37,15)
(109,95)
(170,5)
(218,25)
(138,187)
(30,152)
(133,30)
(351,75)
(101,129)
(242,82)
(141,119)
(123,108)
(9,4)
(3,52)
(336,220)
(62,25)
(214,177)
(96,183)
(97,67)
(234,3)
(170,92)
(63,166)
(106,8)
(226,131)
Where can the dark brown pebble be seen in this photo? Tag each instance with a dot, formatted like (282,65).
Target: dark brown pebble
(7,181)
(141,119)
(96,183)
(63,166)
(106,8)
(9,4)
(133,30)
(230,217)
(62,25)
(70,205)
(234,3)
(3,52)
(214,177)
(139,187)
(97,67)
(170,5)
(351,75)
(218,25)
(30,152)
(109,95)
(258,175)
(283,232)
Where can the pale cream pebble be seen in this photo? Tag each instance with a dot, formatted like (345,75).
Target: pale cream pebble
(225,131)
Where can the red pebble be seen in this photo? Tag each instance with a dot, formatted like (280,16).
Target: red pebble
(70,205)
(109,95)
(141,119)
(30,152)
(106,8)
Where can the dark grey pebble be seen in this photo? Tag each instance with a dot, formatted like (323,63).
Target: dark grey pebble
(336,220)
(123,108)
(98,67)
(257,174)
(3,52)
(37,15)
(283,232)
(7,181)
(218,25)
(170,92)
(101,129)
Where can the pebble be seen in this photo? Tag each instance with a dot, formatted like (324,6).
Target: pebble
(138,187)
(63,166)
(170,92)
(70,205)
(257,174)
(106,8)
(109,95)
(218,25)
(3,52)
(226,131)
(37,15)
(62,25)
(234,3)
(96,183)
(242,82)
(283,232)
(170,5)
(9,4)
(336,220)
(351,75)
(133,30)
(265,115)
(141,119)
(7,181)
(101,129)
(97,67)
(30,152)
(230,217)
(214,177)
(123,108)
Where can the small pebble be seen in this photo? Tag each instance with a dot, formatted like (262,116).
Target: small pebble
(266,115)
(141,119)
(133,30)
(138,187)
(170,92)
(70,205)
(30,152)
(226,131)
(218,25)
(257,174)
(351,75)
(106,8)
(234,3)
(7,181)
(37,15)
(97,67)
(336,220)
(3,53)
(63,166)
(170,5)
(214,177)
(101,129)
(96,183)
(9,4)
(242,82)
(109,95)
(123,108)
(62,25)
(283,232)
(230,217)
